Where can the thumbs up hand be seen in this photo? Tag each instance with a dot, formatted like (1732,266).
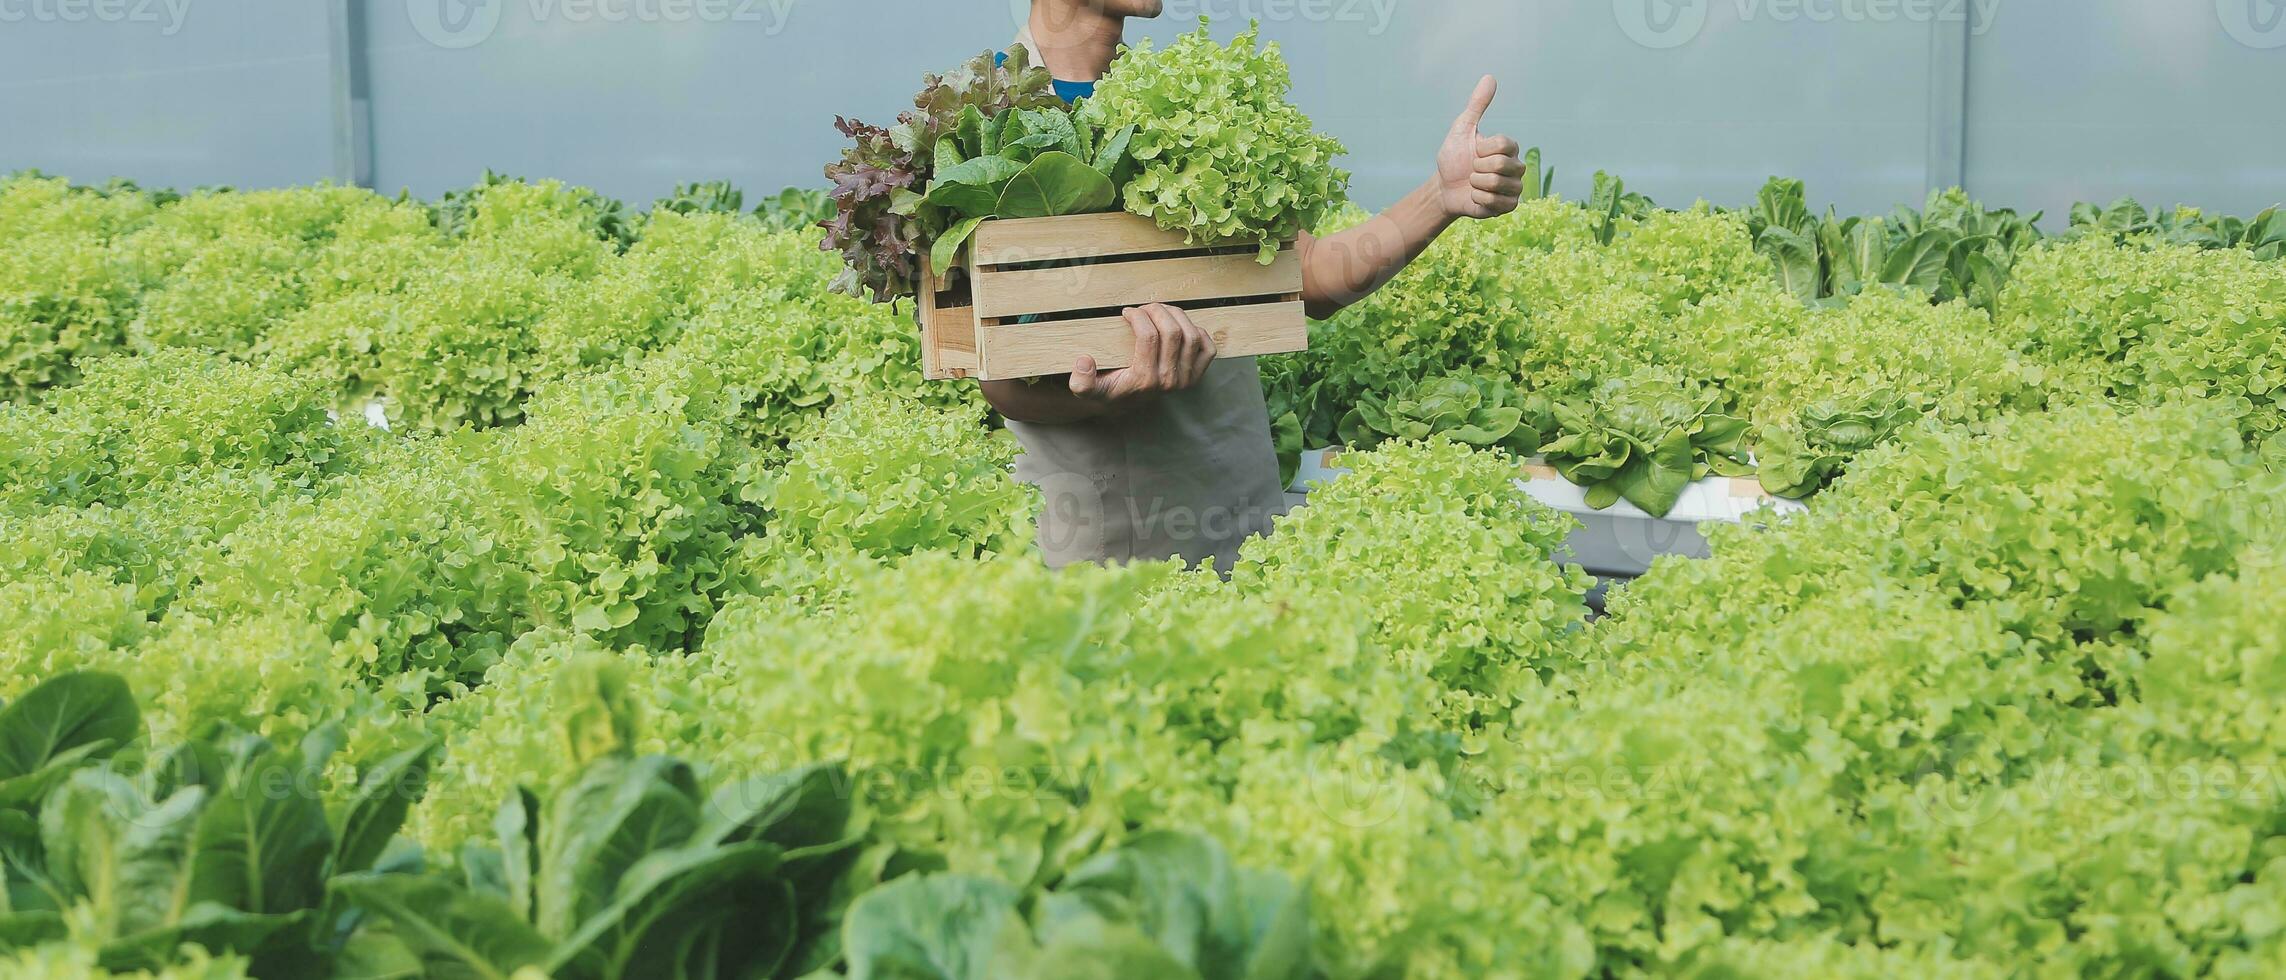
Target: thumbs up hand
(1479,176)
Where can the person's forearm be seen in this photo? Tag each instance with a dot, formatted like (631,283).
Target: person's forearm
(1341,269)
(1049,402)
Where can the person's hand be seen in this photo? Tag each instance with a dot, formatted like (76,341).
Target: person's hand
(1479,176)
(1171,354)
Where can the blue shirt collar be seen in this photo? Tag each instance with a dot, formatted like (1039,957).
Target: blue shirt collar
(1073,91)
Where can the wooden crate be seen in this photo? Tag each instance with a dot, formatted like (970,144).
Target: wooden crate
(1030,295)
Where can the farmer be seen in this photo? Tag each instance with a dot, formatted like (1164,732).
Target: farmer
(1172,457)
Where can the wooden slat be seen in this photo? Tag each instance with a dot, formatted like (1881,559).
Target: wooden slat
(956,330)
(948,335)
(1087,287)
(1079,236)
(925,316)
(1029,350)
(950,343)
(956,367)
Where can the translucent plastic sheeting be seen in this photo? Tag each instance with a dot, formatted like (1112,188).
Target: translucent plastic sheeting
(2064,99)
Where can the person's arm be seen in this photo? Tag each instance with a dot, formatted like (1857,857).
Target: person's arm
(1477,176)
(1171,354)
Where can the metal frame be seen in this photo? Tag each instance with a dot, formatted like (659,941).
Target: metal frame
(1948,101)
(352,103)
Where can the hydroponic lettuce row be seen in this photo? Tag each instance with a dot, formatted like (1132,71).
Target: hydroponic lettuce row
(676,627)
(1823,350)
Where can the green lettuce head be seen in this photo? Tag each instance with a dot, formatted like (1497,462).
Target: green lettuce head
(1222,154)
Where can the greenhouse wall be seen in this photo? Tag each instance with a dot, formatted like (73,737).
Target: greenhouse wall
(185,93)
(2030,103)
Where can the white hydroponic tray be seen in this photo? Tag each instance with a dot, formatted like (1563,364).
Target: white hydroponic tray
(1619,541)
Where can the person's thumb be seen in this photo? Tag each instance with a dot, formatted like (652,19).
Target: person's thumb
(1478,103)
(1084,379)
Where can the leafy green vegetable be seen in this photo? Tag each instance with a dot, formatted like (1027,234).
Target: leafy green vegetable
(65,722)
(1180,891)
(378,808)
(878,226)
(630,870)
(1054,184)
(939,926)
(2125,221)
(1026,163)
(1952,249)
(715,196)
(973,188)
(1645,438)
(1163,905)
(886,477)
(1473,409)
(1051,184)
(1800,459)
(944,253)
(1610,200)
(1114,156)
(460,212)
(221,842)
(1221,153)
(795,209)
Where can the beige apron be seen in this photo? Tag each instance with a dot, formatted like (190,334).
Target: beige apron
(1191,475)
